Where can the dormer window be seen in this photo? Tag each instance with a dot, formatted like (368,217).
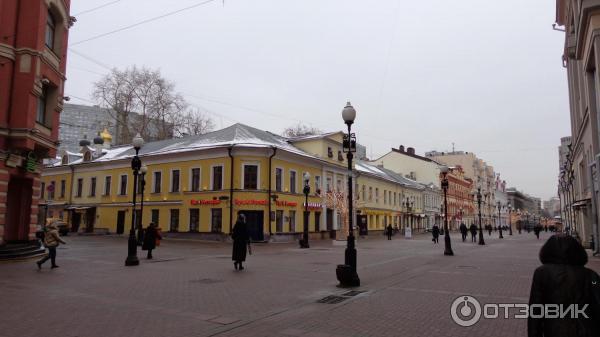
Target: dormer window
(65,159)
(340,156)
(329,152)
(50,31)
(87,156)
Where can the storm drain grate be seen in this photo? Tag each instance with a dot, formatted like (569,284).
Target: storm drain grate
(206,281)
(332,299)
(353,293)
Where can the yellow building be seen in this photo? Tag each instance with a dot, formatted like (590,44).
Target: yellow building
(198,185)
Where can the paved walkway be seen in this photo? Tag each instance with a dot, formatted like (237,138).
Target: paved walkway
(191,289)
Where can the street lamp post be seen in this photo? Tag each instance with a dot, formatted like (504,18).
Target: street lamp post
(447,245)
(500,221)
(346,273)
(136,163)
(140,235)
(509,219)
(479,196)
(304,241)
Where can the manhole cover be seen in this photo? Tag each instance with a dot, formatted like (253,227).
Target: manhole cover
(206,281)
(332,299)
(466,267)
(353,293)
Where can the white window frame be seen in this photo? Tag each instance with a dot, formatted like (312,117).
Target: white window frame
(257,164)
(282,179)
(171,180)
(212,183)
(154,181)
(296,182)
(191,179)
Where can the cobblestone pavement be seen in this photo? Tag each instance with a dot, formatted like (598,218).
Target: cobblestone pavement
(191,289)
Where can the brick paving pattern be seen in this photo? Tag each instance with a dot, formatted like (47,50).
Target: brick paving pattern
(191,289)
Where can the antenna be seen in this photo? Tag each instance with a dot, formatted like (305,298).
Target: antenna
(452,147)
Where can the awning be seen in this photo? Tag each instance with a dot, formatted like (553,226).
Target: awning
(581,203)
(78,208)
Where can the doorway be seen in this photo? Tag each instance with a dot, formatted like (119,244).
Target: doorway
(90,219)
(255,224)
(120,222)
(18,209)
(75,222)
(329,223)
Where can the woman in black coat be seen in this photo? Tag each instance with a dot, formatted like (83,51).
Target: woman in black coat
(240,242)
(150,237)
(435,231)
(563,279)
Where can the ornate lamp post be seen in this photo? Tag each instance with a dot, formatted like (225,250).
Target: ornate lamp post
(346,273)
(447,245)
(304,241)
(136,164)
(479,196)
(140,234)
(499,205)
(408,205)
(509,219)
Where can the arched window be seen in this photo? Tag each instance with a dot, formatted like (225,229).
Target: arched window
(65,159)
(50,30)
(87,156)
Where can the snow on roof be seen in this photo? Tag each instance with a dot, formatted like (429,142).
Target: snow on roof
(365,167)
(309,137)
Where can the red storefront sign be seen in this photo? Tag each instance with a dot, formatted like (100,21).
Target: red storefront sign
(239,202)
(284,203)
(206,202)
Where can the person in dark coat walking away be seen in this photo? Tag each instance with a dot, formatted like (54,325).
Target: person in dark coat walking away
(435,231)
(536,230)
(51,241)
(389,231)
(473,230)
(564,281)
(489,227)
(151,236)
(463,231)
(240,242)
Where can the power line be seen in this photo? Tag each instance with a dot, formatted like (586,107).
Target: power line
(143,22)
(97,8)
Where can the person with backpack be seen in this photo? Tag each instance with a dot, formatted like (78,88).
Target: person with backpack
(51,241)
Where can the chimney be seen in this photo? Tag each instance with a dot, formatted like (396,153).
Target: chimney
(410,150)
(401,148)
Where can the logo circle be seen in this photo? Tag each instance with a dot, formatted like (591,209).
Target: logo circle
(464,307)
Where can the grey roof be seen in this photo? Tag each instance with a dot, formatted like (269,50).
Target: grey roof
(365,167)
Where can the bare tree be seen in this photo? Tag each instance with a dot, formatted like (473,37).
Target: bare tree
(194,122)
(141,100)
(299,130)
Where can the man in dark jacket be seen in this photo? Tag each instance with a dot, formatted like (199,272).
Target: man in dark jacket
(536,230)
(563,280)
(463,231)
(389,231)
(150,237)
(435,231)
(473,230)
(241,240)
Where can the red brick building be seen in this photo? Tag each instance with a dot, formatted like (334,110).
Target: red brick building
(33,50)
(460,201)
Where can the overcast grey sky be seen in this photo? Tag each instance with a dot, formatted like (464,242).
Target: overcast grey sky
(485,75)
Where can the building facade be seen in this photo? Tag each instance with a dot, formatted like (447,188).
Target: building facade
(32,74)
(459,197)
(581,58)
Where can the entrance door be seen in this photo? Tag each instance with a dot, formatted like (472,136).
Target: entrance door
(255,224)
(90,219)
(76,221)
(120,222)
(329,223)
(18,209)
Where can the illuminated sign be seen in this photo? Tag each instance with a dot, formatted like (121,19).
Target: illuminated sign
(206,202)
(283,203)
(239,202)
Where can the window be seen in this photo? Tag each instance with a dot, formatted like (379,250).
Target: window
(385,197)
(338,185)
(216,215)
(41,106)
(42,190)
(87,156)
(370,193)
(278,179)
(63,187)
(50,30)
(317,221)
(51,190)
(250,177)
(329,182)
(364,192)
(79,187)
(318,184)
(65,159)
(195,180)
(175,181)
(155,216)
(376,195)
(217,179)
(279,221)
(157,182)
(292,221)
(174,221)
(93,187)
(395,198)
(292,181)
(123,187)
(107,182)
(194,219)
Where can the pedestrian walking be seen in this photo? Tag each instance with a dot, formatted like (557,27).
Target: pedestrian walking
(241,240)
(389,231)
(473,230)
(51,241)
(537,230)
(489,228)
(152,239)
(564,280)
(435,231)
(463,231)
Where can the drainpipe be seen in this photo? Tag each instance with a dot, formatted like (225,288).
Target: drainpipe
(72,167)
(229,150)
(270,182)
